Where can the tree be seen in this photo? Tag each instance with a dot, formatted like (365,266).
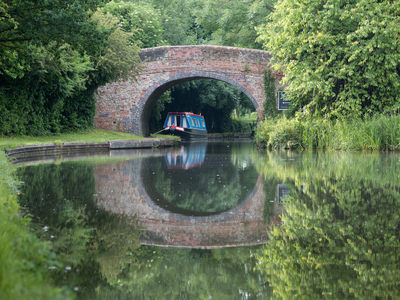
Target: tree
(49,71)
(40,22)
(340,58)
(179,22)
(142,20)
(233,23)
(119,57)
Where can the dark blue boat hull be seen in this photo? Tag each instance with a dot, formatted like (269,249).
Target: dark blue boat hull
(188,133)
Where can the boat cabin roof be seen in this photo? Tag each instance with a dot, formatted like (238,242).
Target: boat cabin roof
(185,113)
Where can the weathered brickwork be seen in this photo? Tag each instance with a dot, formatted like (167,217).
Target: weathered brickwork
(120,189)
(126,105)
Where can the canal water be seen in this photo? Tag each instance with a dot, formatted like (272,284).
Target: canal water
(219,220)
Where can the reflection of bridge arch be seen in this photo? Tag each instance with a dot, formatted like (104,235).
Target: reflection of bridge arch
(126,105)
(120,190)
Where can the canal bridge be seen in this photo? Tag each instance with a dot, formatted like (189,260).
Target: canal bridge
(126,105)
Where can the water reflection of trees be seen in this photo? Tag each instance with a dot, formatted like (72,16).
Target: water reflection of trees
(340,234)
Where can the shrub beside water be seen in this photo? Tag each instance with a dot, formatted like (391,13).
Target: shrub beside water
(279,133)
(376,133)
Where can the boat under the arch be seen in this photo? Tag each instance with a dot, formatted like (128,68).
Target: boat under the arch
(186,125)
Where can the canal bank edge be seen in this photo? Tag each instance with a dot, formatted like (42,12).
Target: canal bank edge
(70,147)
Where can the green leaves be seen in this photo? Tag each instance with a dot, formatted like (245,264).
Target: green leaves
(53,55)
(119,58)
(233,23)
(339,59)
(142,21)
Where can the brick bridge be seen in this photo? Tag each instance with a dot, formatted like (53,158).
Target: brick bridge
(126,105)
(120,190)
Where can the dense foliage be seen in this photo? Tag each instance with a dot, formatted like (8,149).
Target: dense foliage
(340,58)
(230,23)
(142,20)
(233,23)
(269,109)
(49,71)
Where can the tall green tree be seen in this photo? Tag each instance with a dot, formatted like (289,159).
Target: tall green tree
(233,23)
(40,22)
(142,20)
(179,22)
(49,70)
(339,57)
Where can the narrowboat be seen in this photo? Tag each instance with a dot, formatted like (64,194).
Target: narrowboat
(185,125)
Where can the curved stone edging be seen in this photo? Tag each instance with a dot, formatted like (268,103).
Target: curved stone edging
(53,148)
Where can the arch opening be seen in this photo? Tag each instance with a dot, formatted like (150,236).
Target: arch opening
(149,100)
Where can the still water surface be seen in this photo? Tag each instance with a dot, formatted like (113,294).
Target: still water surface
(192,222)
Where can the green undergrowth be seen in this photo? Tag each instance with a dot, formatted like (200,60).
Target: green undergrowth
(378,133)
(24,259)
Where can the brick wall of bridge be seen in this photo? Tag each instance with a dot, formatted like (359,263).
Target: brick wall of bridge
(126,105)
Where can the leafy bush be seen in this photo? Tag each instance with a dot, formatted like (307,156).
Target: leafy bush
(280,133)
(240,125)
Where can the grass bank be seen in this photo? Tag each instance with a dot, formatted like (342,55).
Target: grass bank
(90,136)
(381,133)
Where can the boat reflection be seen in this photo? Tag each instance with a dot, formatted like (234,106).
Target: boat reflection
(188,156)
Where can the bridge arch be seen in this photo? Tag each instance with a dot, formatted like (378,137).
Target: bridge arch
(126,105)
(152,95)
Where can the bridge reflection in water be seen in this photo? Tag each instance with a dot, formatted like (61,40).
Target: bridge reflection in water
(196,196)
